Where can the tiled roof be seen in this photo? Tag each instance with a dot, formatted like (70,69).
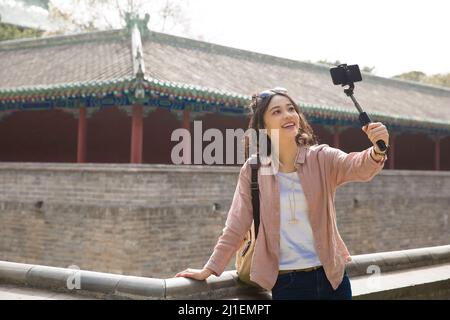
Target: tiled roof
(189,61)
(191,70)
(52,61)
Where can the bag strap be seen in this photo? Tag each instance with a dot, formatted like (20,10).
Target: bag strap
(255,191)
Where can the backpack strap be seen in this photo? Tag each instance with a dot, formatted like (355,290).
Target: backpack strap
(255,164)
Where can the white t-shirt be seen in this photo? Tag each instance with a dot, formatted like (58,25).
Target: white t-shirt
(296,239)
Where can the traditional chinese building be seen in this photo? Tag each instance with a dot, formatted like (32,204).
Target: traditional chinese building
(117,96)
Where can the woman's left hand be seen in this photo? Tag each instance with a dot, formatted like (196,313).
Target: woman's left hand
(376,131)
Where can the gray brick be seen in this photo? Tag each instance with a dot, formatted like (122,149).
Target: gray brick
(100,217)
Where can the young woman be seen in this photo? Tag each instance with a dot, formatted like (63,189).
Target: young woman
(299,253)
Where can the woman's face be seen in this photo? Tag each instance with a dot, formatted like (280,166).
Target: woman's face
(281,114)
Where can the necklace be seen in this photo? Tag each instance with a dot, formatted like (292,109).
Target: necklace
(292,205)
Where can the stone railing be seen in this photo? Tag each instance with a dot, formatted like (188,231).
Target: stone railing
(418,273)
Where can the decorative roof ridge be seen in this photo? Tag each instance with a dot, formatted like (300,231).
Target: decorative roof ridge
(62,39)
(66,85)
(331,108)
(242,53)
(215,92)
(185,86)
(136,25)
(374,114)
(176,88)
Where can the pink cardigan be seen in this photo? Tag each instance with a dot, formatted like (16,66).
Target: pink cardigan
(321,170)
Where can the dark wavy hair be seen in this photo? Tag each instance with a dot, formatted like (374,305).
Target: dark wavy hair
(305,134)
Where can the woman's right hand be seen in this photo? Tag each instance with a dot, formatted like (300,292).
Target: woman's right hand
(197,274)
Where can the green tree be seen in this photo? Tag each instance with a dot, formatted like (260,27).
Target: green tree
(439,79)
(92,15)
(368,69)
(417,76)
(329,63)
(9,32)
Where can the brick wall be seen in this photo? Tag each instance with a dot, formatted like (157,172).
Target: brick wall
(155,220)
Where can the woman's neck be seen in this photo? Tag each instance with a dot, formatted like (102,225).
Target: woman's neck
(287,154)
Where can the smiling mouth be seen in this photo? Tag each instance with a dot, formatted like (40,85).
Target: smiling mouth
(288,125)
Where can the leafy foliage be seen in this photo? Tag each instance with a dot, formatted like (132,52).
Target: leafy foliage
(9,32)
(439,79)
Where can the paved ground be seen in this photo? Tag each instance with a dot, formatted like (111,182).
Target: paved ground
(12,292)
(400,279)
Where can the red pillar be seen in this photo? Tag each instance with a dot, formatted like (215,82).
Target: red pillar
(336,137)
(437,154)
(391,151)
(136,134)
(187,126)
(81,143)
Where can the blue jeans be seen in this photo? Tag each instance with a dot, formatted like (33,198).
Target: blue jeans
(311,285)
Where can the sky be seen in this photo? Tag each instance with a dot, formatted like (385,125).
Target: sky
(394,36)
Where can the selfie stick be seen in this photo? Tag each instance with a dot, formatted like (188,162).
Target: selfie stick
(363,117)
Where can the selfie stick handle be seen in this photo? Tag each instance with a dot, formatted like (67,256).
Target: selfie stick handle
(363,116)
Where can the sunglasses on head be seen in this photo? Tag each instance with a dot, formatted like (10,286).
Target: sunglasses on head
(271,92)
(268,93)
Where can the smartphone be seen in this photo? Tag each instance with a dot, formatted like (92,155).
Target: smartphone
(344,74)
